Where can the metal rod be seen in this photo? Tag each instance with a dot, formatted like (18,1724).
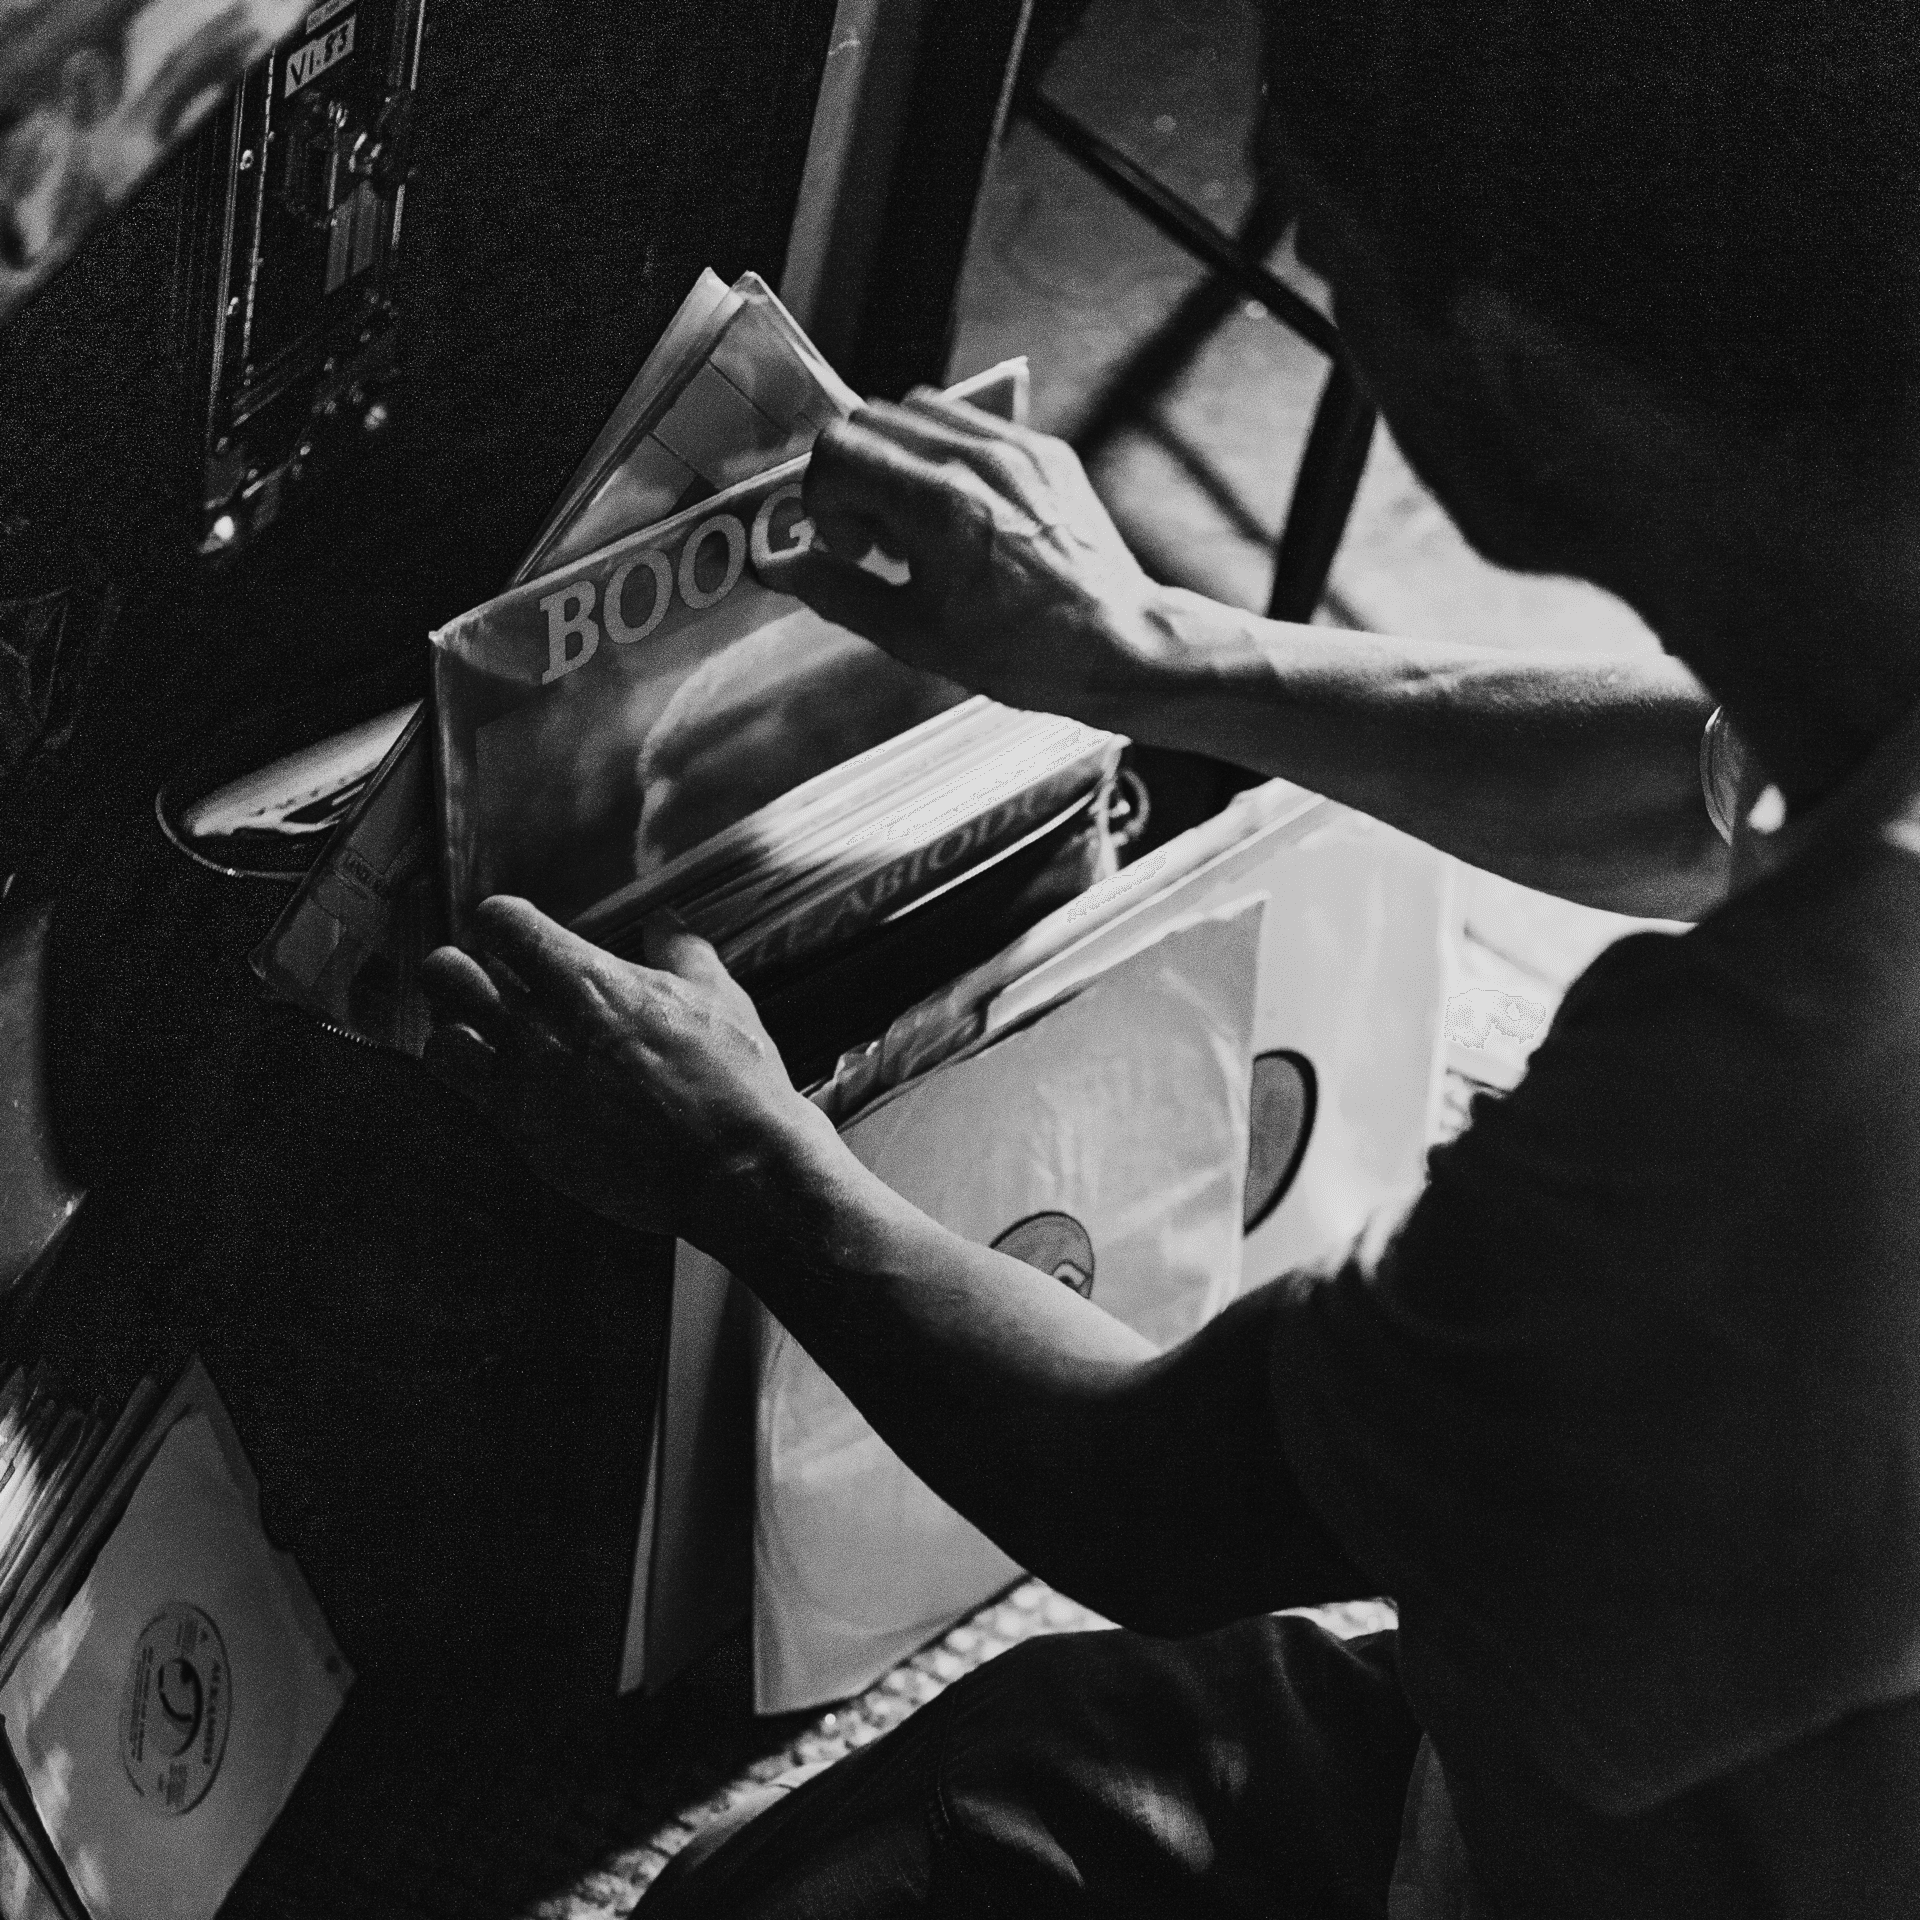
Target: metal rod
(1168,351)
(1182,223)
(1331,464)
(1335,456)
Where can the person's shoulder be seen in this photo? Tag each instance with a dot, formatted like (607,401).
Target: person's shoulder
(1664,1039)
(1635,975)
(1653,1010)
(1694,1085)
(1800,973)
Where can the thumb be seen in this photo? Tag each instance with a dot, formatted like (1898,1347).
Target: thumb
(668,943)
(891,617)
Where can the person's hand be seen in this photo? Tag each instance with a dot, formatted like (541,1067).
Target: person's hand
(649,1093)
(1019,583)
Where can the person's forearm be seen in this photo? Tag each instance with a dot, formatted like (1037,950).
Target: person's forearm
(1148,1486)
(1577,774)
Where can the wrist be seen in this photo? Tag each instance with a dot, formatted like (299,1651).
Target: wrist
(774,1200)
(1167,648)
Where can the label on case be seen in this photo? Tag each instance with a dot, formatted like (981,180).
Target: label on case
(308,62)
(176,1710)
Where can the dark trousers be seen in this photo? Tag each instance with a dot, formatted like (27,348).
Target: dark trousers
(1261,1770)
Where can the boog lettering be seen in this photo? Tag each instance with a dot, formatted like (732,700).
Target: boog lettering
(574,634)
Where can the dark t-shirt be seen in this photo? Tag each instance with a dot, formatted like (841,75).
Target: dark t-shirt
(1625,1411)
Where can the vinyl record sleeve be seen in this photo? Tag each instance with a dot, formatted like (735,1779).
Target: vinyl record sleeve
(694,326)
(692,1568)
(164,1717)
(349,944)
(1106,1142)
(752,391)
(597,723)
(1352,980)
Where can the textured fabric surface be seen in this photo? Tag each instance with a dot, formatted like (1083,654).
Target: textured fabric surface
(516,1823)
(1113,1776)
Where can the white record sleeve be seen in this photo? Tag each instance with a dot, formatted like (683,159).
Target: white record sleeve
(1106,1143)
(163,1718)
(1353,972)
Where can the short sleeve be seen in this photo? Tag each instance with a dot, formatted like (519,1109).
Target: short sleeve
(1638,1482)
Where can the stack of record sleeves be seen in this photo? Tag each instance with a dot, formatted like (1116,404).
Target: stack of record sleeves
(164,1674)
(638,720)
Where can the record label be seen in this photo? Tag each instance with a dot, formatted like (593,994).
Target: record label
(177,1708)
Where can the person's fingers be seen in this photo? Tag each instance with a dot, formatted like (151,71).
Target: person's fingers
(1028,454)
(459,1058)
(862,475)
(568,980)
(849,596)
(667,942)
(947,440)
(457,987)
(523,1027)
(848,536)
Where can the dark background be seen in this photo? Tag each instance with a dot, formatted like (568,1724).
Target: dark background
(442,1373)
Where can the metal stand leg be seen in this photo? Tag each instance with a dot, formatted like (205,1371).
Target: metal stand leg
(1181,223)
(1165,354)
(1331,464)
(1336,449)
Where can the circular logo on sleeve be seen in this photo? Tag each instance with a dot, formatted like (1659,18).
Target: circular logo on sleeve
(176,1710)
(1056,1243)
